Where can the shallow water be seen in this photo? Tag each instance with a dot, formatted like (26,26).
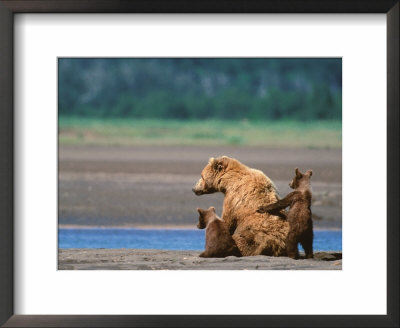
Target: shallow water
(166,239)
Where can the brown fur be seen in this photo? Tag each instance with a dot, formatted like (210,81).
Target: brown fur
(245,190)
(299,216)
(219,242)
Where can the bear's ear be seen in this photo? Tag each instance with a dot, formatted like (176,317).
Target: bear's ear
(221,163)
(217,165)
(298,173)
(309,172)
(200,211)
(212,208)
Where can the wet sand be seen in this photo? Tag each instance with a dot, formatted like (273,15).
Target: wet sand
(136,259)
(151,185)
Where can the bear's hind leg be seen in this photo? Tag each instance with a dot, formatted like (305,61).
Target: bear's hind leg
(291,245)
(208,253)
(307,243)
(235,252)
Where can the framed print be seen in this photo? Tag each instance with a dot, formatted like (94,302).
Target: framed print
(111,110)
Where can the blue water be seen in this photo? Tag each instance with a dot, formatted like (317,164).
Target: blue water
(171,239)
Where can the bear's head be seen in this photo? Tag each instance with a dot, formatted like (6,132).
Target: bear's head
(210,176)
(301,180)
(206,216)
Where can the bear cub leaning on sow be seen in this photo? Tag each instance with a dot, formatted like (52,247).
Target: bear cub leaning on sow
(219,242)
(299,216)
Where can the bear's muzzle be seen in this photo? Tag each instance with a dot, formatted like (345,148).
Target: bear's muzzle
(197,192)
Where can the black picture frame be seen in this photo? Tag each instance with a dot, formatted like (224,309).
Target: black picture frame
(10,7)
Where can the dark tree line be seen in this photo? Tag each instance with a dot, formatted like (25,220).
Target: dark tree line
(201,88)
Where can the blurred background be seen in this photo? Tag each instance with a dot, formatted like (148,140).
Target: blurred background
(192,89)
(134,134)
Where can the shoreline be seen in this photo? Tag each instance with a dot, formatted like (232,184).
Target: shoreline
(152,227)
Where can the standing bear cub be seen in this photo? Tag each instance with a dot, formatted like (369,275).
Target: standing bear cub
(219,242)
(299,216)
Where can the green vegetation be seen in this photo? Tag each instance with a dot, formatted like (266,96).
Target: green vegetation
(124,132)
(269,102)
(201,89)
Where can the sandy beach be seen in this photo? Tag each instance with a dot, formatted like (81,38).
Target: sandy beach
(150,187)
(147,259)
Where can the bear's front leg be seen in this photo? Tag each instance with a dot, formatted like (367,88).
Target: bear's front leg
(277,206)
(267,209)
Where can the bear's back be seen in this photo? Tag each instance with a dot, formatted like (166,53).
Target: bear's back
(300,209)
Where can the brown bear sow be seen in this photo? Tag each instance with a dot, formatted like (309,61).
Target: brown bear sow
(245,190)
(219,242)
(299,216)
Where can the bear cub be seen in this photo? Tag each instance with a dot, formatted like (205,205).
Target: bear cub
(299,216)
(219,242)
